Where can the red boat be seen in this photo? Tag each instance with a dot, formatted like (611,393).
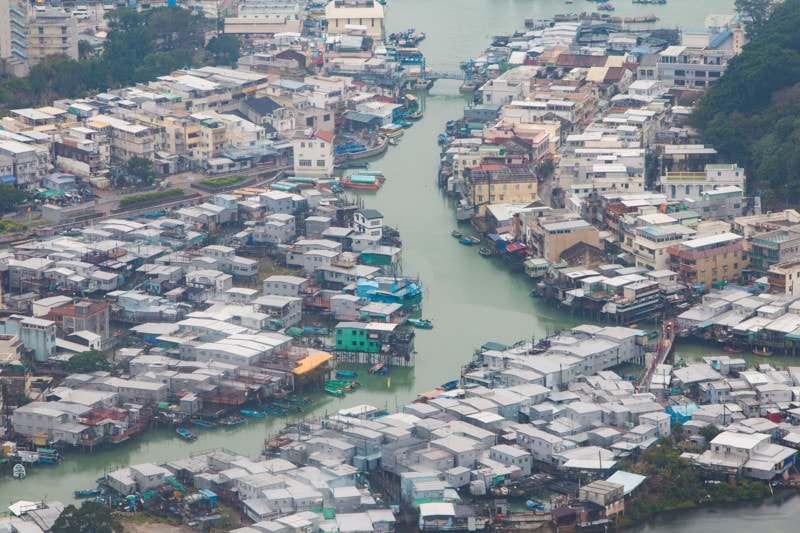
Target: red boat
(733,349)
(763,352)
(348,183)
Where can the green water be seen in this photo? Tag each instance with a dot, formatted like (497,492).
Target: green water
(470,299)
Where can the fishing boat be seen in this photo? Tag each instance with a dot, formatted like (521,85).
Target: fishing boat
(19,471)
(346,374)
(88,493)
(377,368)
(185,434)
(421,323)
(273,410)
(203,423)
(252,413)
(466,241)
(233,420)
(484,252)
(450,385)
(733,349)
(391,130)
(343,384)
(290,407)
(301,400)
(416,115)
(763,351)
(335,392)
(441,139)
(352,164)
(360,182)
(457,234)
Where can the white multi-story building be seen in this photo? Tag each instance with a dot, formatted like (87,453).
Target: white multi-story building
(14,34)
(313,153)
(680,185)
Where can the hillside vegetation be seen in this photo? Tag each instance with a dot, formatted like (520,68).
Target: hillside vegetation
(751,115)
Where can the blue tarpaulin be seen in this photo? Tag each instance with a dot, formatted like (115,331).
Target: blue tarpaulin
(8,179)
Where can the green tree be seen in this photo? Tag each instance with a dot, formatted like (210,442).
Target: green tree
(91,517)
(755,14)
(225,49)
(175,27)
(709,432)
(10,197)
(87,361)
(140,168)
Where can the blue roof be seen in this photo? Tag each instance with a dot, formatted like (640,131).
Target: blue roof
(8,179)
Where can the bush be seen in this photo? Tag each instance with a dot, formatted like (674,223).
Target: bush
(150,197)
(222,182)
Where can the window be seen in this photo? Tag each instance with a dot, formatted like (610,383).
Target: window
(304,163)
(320,162)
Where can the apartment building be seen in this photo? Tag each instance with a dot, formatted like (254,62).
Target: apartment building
(53,32)
(708,260)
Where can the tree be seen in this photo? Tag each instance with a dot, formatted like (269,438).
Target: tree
(88,361)
(225,48)
(709,432)
(90,517)
(140,168)
(755,14)
(10,197)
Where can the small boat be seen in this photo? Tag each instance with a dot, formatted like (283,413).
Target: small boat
(301,400)
(393,142)
(360,182)
(252,413)
(466,241)
(346,374)
(457,234)
(484,252)
(763,351)
(185,434)
(450,385)
(273,410)
(441,139)
(353,164)
(343,384)
(534,505)
(335,392)
(376,368)
(733,349)
(203,423)
(416,115)
(88,493)
(421,323)
(233,420)
(19,471)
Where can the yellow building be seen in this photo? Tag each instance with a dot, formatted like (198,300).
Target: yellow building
(498,184)
(708,260)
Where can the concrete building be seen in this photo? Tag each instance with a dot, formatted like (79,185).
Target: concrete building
(683,184)
(709,259)
(14,34)
(357,17)
(84,315)
(549,238)
(53,32)
(313,153)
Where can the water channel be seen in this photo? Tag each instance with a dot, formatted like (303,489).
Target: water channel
(470,299)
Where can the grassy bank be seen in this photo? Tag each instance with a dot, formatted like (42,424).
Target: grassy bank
(149,197)
(224,181)
(673,484)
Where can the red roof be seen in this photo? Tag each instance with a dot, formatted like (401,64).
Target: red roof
(324,135)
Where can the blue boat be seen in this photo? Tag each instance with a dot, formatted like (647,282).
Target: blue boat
(233,420)
(450,385)
(203,423)
(88,493)
(421,323)
(185,434)
(346,374)
(466,241)
(252,413)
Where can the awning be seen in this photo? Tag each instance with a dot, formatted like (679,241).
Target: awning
(8,179)
(703,325)
(311,362)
